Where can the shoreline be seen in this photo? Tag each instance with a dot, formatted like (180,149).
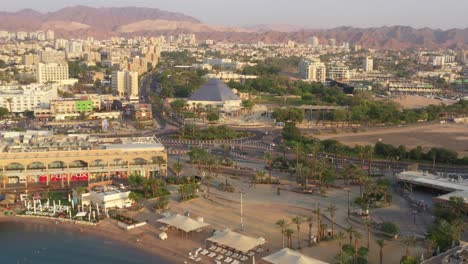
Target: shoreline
(170,251)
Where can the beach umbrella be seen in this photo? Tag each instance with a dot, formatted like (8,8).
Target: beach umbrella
(54,207)
(253,259)
(72,204)
(94,215)
(60,203)
(89,217)
(48,202)
(34,205)
(97,209)
(69,213)
(69,198)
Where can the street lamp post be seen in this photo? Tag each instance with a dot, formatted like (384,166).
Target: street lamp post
(242,211)
(349,212)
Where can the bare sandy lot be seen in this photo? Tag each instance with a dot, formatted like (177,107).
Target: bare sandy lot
(415,101)
(450,136)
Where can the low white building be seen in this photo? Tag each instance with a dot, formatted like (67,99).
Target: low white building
(22,98)
(107,199)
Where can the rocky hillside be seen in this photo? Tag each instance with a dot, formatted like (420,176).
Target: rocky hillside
(82,21)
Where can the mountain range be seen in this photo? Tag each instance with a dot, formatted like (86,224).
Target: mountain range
(82,21)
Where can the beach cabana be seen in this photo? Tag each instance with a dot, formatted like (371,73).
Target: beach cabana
(183,223)
(288,256)
(236,241)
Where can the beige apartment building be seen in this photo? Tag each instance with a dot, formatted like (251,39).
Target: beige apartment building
(313,70)
(52,72)
(30,59)
(125,83)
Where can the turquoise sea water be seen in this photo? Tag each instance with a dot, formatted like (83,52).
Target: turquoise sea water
(46,244)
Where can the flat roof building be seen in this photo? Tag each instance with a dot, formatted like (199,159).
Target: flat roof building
(31,158)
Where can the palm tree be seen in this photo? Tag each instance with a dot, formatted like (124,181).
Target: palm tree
(408,242)
(282,224)
(318,212)
(350,230)
(298,221)
(3,180)
(9,100)
(282,149)
(332,210)
(260,175)
(177,167)
(207,180)
(381,244)
(368,224)
(269,162)
(310,222)
(430,245)
(289,232)
(369,151)
(340,236)
(456,206)
(159,160)
(357,236)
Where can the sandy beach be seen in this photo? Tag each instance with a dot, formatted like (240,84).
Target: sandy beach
(173,250)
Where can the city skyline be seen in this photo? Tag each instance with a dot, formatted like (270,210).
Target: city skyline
(360,13)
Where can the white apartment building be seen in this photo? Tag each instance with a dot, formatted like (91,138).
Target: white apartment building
(338,72)
(368,64)
(312,70)
(125,83)
(27,97)
(50,35)
(52,72)
(21,35)
(314,41)
(332,42)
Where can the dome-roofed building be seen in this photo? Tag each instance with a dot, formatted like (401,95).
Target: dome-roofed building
(217,94)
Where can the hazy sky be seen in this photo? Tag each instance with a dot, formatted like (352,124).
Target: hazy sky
(312,13)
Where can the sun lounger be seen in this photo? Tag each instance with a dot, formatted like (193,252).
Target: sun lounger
(218,249)
(198,259)
(218,262)
(229,253)
(235,262)
(212,255)
(212,248)
(251,254)
(244,258)
(259,250)
(224,251)
(220,257)
(204,252)
(228,260)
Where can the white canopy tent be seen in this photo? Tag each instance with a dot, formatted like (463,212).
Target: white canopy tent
(236,241)
(183,223)
(288,256)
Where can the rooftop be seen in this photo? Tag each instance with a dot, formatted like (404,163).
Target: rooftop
(214,90)
(441,182)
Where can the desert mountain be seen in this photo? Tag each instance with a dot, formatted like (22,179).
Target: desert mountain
(82,21)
